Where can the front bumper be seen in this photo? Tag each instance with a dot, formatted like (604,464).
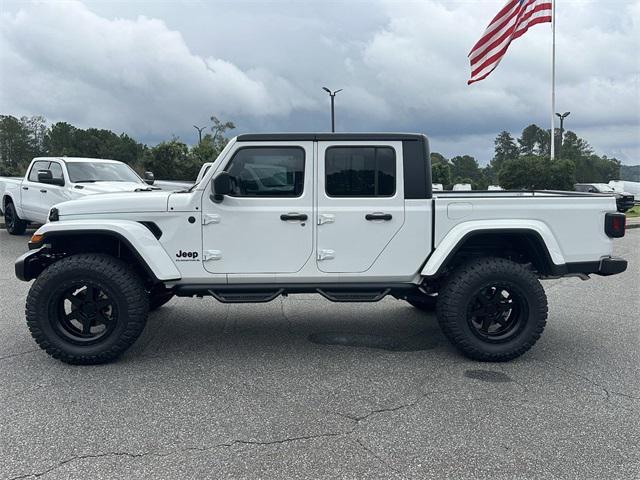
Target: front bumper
(30,264)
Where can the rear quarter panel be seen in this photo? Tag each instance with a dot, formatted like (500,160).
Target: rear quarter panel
(572,227)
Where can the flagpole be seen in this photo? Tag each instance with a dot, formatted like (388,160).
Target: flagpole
(553,79)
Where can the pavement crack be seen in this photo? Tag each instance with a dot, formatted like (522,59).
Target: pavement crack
(379,458)
(177,450)
(606,391)
(81,457)
(13,355)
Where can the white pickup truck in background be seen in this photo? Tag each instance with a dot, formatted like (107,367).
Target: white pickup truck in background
(52,180)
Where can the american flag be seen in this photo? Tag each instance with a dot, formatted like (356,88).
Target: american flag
(511,22)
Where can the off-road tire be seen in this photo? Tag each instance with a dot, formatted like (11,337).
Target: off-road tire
(127,293)
(426,303)
(158,299)
(13,223)
(454,300)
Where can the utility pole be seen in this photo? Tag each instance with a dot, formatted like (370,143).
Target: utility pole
(200,129)
(562,117)
(333,113)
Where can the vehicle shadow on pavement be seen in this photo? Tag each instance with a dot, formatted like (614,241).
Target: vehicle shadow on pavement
(391,326)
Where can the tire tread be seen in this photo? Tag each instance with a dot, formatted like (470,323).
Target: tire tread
(128,282)
(461,280)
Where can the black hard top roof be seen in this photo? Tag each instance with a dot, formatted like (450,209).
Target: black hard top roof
(280,137)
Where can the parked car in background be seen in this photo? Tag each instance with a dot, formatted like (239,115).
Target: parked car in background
(51,180)
(179,185)
(624,201)
(462,187)
(622,186)
(437,187)
(495,188)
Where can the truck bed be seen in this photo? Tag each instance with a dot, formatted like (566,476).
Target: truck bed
(561,217)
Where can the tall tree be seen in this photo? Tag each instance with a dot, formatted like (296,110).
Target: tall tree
(465,167)
(505,149)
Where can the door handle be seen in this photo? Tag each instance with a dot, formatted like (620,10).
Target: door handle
(43,191)
(378,216)
(293,216)
(25,188)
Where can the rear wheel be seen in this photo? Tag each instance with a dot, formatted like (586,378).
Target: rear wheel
(13,223)
(492,309)
(86,309)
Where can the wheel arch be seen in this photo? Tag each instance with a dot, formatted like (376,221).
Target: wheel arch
(523,244)
(127,240)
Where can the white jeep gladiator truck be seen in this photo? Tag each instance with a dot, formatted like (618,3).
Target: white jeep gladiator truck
(351,217)
(51,180)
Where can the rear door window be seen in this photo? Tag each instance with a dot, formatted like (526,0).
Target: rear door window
(360,171)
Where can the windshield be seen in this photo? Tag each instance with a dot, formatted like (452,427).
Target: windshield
(86,172)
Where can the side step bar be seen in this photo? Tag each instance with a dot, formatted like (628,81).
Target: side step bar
(261,293)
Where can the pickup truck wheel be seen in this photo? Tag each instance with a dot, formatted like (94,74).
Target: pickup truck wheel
(13,223)
(423,302)
(492,309)
(87,309)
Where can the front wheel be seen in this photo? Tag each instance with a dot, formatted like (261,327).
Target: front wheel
(87,309)
(492,309)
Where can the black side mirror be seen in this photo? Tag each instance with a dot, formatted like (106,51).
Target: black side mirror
(221,185)
(45,176)
(149,178)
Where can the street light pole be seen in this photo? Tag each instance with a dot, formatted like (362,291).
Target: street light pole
(562,117)
(200,129)
(333,113)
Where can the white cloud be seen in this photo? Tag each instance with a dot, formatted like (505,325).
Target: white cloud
(65,62)
(155,68)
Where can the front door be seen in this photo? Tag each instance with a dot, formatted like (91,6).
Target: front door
(32,193)
(265,225)
(360,203)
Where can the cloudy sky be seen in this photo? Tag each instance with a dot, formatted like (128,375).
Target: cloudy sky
(154,68)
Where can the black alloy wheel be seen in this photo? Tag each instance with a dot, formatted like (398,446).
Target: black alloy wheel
(497,312)
(84,314)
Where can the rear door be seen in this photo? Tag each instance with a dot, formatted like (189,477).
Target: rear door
(360,203)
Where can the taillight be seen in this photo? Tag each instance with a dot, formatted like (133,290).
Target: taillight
(614,224)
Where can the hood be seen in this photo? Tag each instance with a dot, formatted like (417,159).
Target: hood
(125,202)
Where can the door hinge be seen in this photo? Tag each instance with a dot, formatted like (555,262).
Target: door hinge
(326,218)
(326,255)
(208,218)
(212,255)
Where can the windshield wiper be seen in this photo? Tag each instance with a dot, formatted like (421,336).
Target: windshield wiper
(86,181)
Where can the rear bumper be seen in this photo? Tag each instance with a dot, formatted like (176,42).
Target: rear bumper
(605,266)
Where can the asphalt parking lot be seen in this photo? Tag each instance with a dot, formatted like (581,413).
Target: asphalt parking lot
(303,388)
